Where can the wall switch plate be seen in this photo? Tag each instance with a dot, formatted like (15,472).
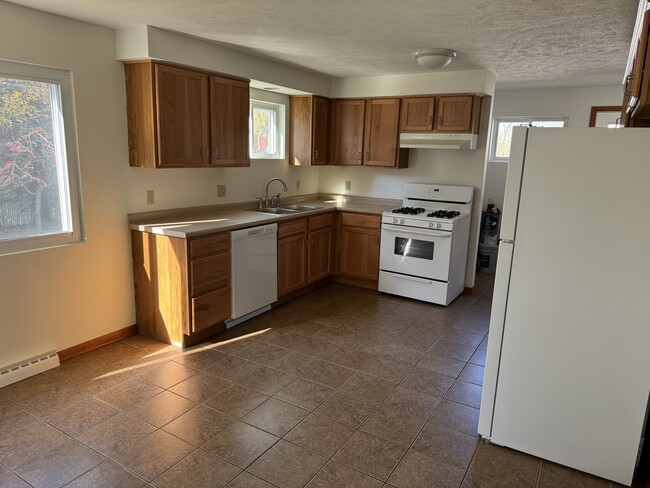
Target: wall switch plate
(221,190)
(348,185)
(149,197)
(297,185)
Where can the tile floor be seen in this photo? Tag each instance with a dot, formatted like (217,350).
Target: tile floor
(343,387)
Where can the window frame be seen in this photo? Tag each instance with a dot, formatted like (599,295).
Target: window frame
(498,119)
(279,141)
(70,185)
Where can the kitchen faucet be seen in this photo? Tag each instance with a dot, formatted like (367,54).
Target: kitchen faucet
(277,197)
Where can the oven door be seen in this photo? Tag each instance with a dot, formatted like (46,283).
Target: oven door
(415,251)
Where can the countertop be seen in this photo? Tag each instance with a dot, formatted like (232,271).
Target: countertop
(231,219)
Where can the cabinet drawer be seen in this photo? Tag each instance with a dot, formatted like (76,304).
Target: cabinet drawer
(209,273)
(213,244)
(361,220)
(210,309)
(320,221)
(292,227)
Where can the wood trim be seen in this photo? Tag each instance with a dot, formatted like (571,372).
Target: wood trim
(601,108)
(98,342)
(468,290)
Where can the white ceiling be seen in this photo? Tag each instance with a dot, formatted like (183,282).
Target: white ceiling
(526,43)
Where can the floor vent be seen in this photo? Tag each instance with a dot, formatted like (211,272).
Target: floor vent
(28,367)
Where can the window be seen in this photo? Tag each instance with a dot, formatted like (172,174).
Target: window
(40,201)
(267,130)
(502,133)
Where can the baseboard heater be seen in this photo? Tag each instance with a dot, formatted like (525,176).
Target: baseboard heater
(11,373)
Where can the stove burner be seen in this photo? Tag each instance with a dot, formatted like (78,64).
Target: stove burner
(409,210)
(444,214)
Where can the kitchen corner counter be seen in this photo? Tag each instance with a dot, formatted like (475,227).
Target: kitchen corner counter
(185,223)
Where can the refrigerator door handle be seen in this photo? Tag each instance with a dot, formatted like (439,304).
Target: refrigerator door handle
(507,241)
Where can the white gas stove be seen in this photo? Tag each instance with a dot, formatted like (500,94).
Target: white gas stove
(424,243)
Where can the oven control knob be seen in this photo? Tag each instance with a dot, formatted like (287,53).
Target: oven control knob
(438,225)
(431,224)
(395,221)
(401,221)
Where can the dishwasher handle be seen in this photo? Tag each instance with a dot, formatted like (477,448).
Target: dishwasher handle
(238,235)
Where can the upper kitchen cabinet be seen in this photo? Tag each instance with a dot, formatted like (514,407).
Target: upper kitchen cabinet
(442,113)
(185,118)
(381,139)
(367,132)
(349,116)
(417,114)
(636,103)
(309,128)
(229,107)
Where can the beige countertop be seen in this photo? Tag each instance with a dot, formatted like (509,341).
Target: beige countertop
(185,226)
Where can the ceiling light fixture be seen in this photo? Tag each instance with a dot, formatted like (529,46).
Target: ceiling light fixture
(434,58)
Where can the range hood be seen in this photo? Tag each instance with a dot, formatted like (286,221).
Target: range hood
(437,141)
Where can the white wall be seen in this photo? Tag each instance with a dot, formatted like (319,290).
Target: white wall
(60,297)
(574,103)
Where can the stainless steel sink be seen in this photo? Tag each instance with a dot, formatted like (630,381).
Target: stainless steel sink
(300,208)
(275,210)
(286,209)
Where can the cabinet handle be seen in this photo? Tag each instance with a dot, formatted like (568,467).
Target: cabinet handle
(315,153)
(440,118)
(628,91)
(359,157)
(430,119)
(367,155)
(377,240)
(212,274)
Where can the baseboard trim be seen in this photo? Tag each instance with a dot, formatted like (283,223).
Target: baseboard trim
(98,342)
(468,290)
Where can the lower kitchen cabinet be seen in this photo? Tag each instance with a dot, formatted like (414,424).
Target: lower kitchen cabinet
(359,246)
(292,255)
(304,252)
(182,286)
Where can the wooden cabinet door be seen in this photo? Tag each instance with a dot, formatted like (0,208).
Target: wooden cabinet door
(381,138)
(300,129)
(292,257)
(320,130)
(319,254)
(229,107)
(360,252)
(349,118)
(182,119)
(417,114)
(454,114)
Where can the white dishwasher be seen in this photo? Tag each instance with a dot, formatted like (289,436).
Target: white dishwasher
(254,271)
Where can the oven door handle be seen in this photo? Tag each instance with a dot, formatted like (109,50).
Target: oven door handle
(412,278)
(416,230)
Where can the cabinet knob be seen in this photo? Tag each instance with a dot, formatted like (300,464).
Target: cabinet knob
(315,153)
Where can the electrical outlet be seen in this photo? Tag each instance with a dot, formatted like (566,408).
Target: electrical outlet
(149,197)
(221,190)
(297,185)
(348,185)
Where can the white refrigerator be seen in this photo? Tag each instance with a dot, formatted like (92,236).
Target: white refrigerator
(567,376)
